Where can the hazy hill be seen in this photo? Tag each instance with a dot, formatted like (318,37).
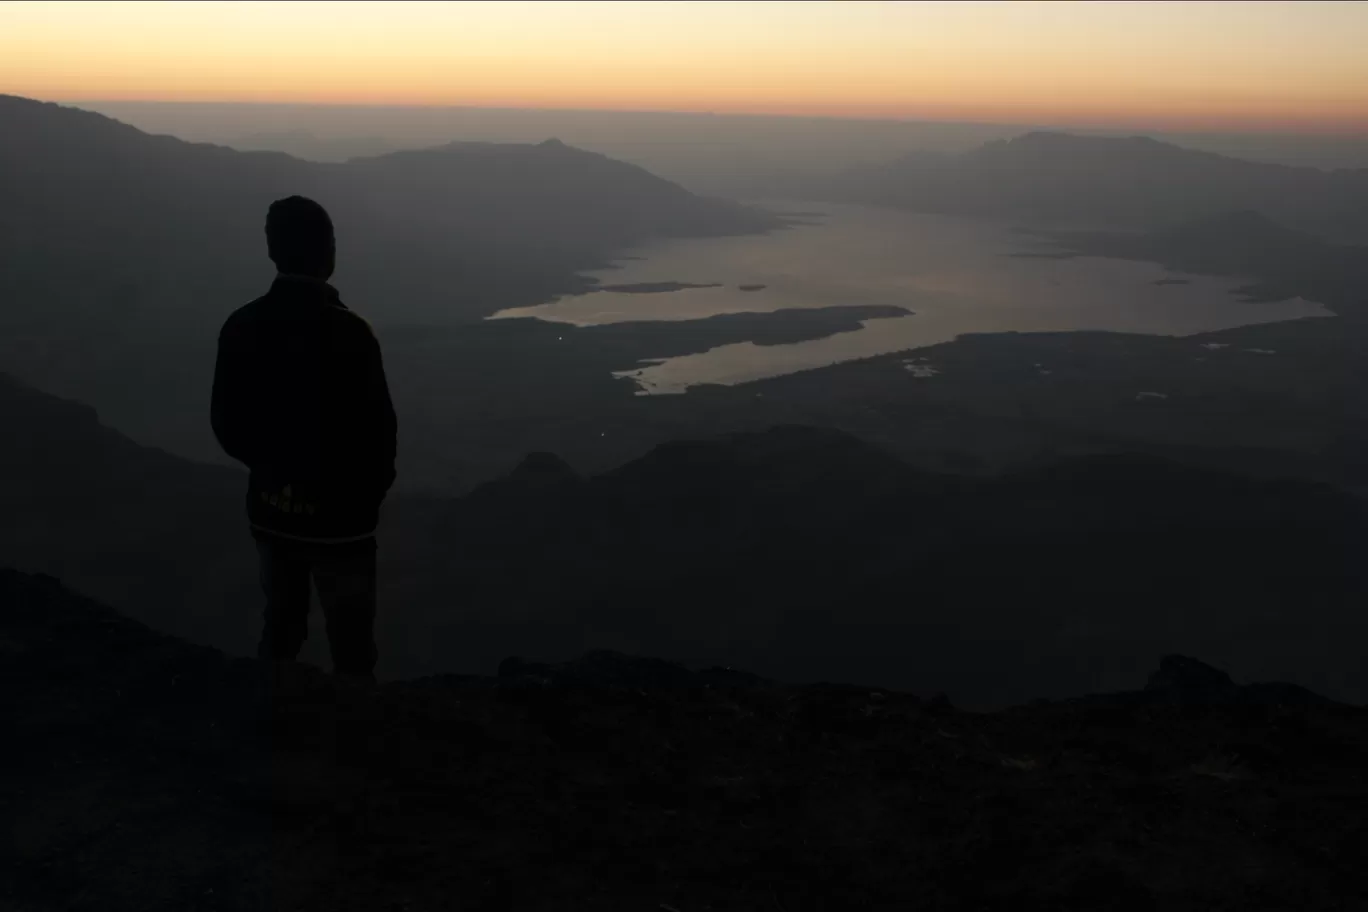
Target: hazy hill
(1282,262)
(746,157)
(299,143)
(94,211)
(142,772)
(1110,182)
(797,552)
(548,189)
(121,253)
(469,226)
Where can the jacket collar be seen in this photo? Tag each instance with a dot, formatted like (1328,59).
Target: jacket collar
(288,281)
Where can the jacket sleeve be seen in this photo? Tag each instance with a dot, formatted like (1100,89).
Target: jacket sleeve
(383,427)
(227,401)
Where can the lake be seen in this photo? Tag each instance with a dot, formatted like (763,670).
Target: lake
(957,275)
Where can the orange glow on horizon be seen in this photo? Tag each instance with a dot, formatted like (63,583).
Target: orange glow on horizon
(1226,66)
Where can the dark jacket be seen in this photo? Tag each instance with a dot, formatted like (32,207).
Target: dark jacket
(300,398)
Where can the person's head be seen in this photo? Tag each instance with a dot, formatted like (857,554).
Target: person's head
(299,237)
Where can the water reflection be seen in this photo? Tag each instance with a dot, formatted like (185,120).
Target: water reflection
(958,275)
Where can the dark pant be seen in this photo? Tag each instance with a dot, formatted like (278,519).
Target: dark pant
(345,578)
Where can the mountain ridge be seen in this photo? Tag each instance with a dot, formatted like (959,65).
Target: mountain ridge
(122,253)
(789,550)
(135,198)
(1100,181)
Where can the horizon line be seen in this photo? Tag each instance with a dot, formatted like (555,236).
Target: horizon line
(1347,131)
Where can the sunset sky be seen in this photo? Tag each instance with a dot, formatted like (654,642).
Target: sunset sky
(1226,65)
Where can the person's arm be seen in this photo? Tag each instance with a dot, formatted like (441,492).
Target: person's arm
(383,426)
(226,402)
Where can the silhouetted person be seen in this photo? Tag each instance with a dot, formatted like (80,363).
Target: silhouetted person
(300,398)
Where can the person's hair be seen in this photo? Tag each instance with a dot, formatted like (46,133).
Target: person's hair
(299,235)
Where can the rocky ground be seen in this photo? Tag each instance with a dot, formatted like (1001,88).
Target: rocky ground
(140,772)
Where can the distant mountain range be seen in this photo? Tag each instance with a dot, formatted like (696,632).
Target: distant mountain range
(796,552)
(1105,182)
(307,145)
(121,253)
(92,210)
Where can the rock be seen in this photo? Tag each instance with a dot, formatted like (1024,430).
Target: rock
(516,666)
(610,668)
(939,702)
(1186,679)
(607,668)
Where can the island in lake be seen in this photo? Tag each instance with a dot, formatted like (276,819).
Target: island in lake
(672,338)
(655,287)
(751,287)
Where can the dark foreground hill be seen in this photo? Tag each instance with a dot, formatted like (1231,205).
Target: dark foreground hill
(141,772)
(796,551)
